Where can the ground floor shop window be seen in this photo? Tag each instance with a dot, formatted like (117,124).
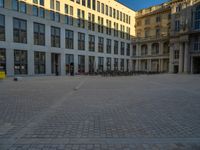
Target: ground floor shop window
(100,64)
(81,64)
(69,64)
(20,62)
(2,59)
(39,59)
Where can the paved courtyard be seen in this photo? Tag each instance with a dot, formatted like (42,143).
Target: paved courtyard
(156,112)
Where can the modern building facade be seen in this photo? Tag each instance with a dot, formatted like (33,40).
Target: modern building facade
(47,37)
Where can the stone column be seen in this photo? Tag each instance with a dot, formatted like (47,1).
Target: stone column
(171,59)
(181,58)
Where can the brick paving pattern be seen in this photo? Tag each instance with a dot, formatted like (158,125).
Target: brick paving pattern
(159,112)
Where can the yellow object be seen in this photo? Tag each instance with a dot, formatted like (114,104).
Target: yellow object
(2,75)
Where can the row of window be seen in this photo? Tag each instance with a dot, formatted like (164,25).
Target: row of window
(20,36)
(21,62)
(104,9)
(69,19)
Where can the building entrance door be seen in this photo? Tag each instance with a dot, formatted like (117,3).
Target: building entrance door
(55,64)
(196,65)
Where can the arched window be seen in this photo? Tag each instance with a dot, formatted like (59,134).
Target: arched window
(144,50)
(155,49)
(197,17)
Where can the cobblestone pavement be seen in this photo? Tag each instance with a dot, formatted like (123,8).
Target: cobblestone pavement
(158,112)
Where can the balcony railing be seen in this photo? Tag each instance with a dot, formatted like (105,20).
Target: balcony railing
(142,39)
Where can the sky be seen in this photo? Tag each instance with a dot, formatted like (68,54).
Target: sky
(140,4)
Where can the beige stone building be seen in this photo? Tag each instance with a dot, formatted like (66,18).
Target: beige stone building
(151,44)
(185,36)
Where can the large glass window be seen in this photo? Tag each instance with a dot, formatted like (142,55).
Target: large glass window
(39,59)
(81,64)
(69,39)
(20,62)
(39,34)
(2,27)
(89,3)
(100,64)
(122,48)
(91,43)
(69,60)
(2,59)
(115,64)
(55,37)
(108,63)
(100,44)
(116,47)
(197,18)
(19,30)
(1,3)
(94,4)
(81,41)
(122,65)
(108,46)
(128,46)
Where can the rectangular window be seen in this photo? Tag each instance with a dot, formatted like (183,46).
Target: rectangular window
(91,43)
(100,44)
(128,46)
(69,61)
(3,59)
(115,29)
(39,61)
(94,4)
(55,37)
(122,48)
(98,6)
(19,30)
(83,2)
(91,22)
(177,25)
(115,64)
(122,65)
(35,10)
(81,64)
(1,3)
(69,39)
(42,2)
(80,18)
(176,54)
(52,4)
(2,28)
(89,3)
(116,45)
(41,12)
(39,34)
(102,8)
(22,7)
(100,25)
(100,64)
(20,62)
(108,27)
(108,46)
(15,5)
(57,5)
(108,63)
(81,41)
